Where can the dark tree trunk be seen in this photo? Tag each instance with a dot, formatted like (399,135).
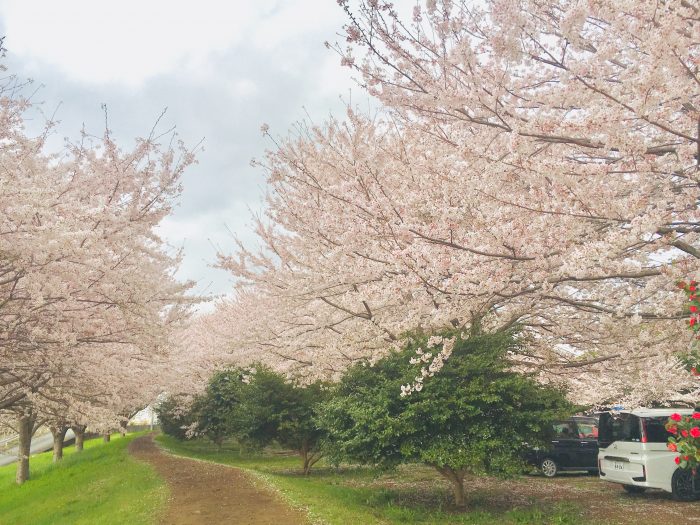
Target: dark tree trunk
(79,431)
(26,431)
(106,437)
(123,425)
(59,435)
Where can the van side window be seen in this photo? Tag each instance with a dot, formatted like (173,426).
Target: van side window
(654,429)
(564,430)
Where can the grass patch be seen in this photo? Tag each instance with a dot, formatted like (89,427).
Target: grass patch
(412,494)
(103,484)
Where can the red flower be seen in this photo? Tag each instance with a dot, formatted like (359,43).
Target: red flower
(686,458)
(673,430)
(691,287)
(672,447)
(693,283)
(696,415)
(695,432)
(692,296)
(692,321)
(684,433)
(693,308)
(695,372)
(676,416)
(677,460)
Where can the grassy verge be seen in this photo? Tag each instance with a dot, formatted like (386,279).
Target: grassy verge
(410,495)
(100,485)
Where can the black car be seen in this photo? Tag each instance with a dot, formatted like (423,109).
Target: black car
(574,447)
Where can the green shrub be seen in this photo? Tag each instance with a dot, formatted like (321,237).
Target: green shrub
(473,416)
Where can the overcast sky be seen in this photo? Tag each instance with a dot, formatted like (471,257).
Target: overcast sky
(221,68)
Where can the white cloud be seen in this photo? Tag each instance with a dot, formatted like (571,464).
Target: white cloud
(127,41)
(243,87)
(297,19)
(221,68)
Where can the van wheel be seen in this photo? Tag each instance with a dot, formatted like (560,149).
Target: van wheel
(634,489)
(682,485)
(549,467)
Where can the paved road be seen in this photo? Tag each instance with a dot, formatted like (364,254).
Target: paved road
(39,444)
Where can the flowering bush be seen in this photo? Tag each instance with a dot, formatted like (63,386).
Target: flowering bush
(691,291)
(686,430)
(691,359)
(685,439)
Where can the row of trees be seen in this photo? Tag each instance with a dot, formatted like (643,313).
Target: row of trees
(88,298)
(473,417)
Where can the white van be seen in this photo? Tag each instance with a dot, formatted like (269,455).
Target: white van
(633,452)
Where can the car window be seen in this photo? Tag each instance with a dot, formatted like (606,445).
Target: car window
(654,429)
(564,430)
(587,430)
(619,427)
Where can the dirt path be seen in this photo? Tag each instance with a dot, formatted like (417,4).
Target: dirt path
(209,494)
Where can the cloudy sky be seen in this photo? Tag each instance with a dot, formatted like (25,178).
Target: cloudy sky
(221,68)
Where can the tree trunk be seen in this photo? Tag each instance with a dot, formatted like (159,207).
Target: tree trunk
(79,431)
(458,490)
(305,461)
(59,435)
(456,479)
(123,425)
(105,437)
(26,430)
(309,458)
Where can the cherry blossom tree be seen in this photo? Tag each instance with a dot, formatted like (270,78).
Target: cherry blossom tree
(532,165)
(88,297)
(352,277)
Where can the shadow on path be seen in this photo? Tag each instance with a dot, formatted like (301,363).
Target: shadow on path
(206,493)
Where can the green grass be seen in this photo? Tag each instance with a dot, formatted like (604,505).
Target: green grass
(412,494)
(103,484)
